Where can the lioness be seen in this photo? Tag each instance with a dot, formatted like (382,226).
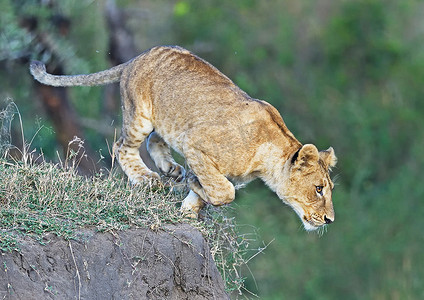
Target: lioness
(176,99)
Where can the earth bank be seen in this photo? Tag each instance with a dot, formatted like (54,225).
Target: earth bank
(174,263)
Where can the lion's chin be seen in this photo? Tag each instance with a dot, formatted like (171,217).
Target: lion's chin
(308,226)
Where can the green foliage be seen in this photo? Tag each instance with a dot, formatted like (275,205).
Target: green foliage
(181,8)
(359,41)
(19,44)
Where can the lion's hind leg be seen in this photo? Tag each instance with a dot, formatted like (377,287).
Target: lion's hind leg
(134,132)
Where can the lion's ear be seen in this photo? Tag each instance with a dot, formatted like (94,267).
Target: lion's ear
(305,156)
(329,157)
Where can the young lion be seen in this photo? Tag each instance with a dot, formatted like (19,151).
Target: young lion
(176,99)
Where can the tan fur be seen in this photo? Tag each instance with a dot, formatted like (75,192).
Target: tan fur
(179,100)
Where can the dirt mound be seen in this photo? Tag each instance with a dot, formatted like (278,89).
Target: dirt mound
(133,264)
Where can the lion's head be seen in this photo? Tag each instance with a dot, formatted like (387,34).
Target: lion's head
(307,186)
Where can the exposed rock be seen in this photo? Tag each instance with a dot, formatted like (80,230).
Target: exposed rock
(133,264)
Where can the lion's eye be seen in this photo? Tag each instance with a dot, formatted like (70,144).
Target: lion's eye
(319,189)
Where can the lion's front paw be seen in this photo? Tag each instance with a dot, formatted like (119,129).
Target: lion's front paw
(189,214)
(191,205)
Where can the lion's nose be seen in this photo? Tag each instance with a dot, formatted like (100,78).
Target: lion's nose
(327,220)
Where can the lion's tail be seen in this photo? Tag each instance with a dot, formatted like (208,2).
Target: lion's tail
(38,70)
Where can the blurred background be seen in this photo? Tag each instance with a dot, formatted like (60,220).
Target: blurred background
(347,74)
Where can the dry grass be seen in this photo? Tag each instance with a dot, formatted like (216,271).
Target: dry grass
(46,198)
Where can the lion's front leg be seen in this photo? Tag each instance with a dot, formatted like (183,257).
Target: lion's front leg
(208,183)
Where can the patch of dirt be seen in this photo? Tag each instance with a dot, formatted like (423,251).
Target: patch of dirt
(134,264)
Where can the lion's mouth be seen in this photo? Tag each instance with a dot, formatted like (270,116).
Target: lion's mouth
(310,225)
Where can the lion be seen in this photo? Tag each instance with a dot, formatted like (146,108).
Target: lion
(175,99)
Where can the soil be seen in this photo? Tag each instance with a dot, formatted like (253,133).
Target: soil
(133,264)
